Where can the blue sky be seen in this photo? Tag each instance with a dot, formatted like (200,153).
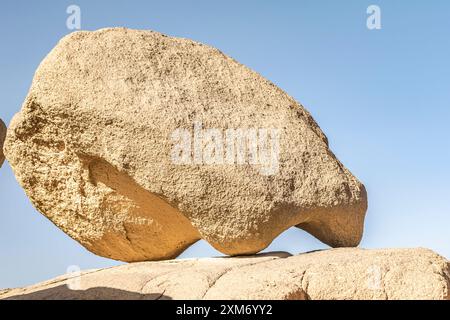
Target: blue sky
(381,96)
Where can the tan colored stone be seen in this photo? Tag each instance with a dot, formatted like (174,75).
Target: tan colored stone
(331,274)
(342,274)
(2,139)
(92,148)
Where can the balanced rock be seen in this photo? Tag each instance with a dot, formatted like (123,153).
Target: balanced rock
(137,145)
(346,273)
(2,139)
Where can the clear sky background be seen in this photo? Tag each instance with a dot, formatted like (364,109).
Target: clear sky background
(381,96)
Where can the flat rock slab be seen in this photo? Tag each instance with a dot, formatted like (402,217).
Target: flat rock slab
(331,274)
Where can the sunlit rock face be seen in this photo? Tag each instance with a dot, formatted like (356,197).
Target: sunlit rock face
(137,145)
(335,274)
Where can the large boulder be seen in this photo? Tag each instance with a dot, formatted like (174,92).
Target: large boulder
(350,274)
(2,139)
(137,145)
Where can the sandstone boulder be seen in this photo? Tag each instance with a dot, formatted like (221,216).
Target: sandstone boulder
(137,145)
(2,139)
(332,274)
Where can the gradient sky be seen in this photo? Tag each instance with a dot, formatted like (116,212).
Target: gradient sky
(381,96)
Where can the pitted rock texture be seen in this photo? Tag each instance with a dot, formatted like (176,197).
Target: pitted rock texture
(2,139)
(94,149)
(344,273)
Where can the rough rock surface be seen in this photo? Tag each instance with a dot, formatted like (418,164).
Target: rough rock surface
(94,148)
(2,139)
(333,274)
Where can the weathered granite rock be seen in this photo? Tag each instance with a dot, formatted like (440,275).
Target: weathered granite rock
(98,148)
(332,274)
(2,139)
